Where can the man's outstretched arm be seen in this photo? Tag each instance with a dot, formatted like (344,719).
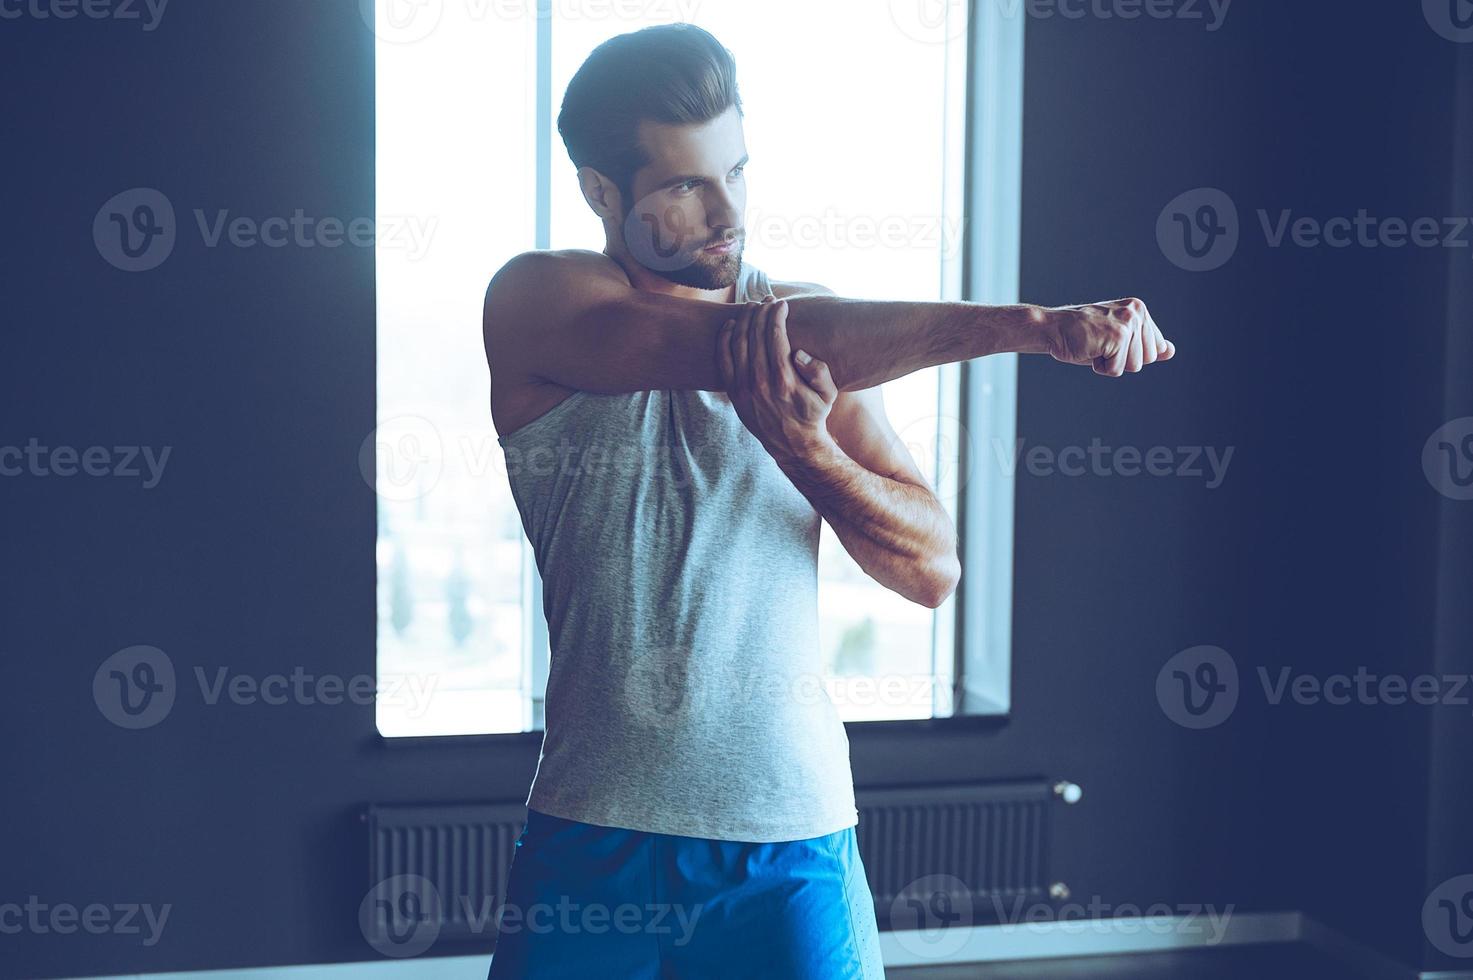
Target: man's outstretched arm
(573,319)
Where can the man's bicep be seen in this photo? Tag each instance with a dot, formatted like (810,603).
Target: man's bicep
(858,423)
(573,319)
(534,313)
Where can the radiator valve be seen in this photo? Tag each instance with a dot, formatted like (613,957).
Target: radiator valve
(1059,891)
(1070,793)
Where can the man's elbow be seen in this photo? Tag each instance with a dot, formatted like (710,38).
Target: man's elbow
(941,581)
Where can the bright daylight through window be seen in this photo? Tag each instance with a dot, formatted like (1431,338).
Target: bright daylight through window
(855,182)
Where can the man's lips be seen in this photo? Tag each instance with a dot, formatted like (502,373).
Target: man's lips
(721,248)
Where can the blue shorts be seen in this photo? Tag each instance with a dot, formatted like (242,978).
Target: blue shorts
(589,901)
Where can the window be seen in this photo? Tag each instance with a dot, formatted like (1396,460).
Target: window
(856,181)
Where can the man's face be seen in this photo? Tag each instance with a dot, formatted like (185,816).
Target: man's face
(690,196)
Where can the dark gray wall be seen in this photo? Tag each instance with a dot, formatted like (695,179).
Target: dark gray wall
(1325,368)
(1322,368)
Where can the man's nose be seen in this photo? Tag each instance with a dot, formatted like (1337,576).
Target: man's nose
(722,211)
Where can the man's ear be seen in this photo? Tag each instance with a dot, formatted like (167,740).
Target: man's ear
(599,192)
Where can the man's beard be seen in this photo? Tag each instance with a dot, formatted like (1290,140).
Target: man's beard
(704,270)
(659,245)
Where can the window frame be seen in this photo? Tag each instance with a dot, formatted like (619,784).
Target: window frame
(982,177)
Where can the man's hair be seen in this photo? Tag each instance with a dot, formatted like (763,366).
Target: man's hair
(673,73)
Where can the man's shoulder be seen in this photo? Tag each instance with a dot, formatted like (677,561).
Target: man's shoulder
(546,266)
(535,285)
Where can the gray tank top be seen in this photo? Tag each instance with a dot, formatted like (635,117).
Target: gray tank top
(680,577)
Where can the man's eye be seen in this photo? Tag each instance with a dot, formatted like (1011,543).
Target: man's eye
(739,171)
(689,185)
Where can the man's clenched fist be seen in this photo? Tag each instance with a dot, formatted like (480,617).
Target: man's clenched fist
(1113,337)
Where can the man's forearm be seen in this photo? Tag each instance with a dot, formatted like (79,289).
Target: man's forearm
(649,341)
(897,532)
(869,342)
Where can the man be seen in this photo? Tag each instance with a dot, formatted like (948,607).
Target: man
(677,428)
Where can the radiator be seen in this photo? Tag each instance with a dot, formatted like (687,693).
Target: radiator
(958,855)
(931,853)
(458,853)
